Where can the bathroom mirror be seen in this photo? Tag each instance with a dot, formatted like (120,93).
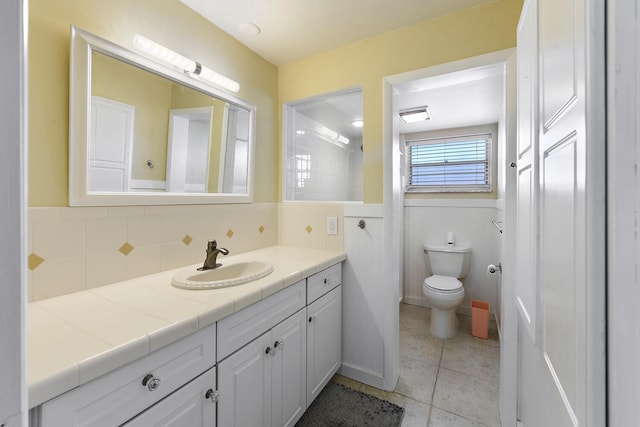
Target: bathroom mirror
(142,133)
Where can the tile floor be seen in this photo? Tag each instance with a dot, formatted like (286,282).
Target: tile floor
(451,382)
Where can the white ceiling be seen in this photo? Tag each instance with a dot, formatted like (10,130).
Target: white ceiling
(463,98)
(294,29)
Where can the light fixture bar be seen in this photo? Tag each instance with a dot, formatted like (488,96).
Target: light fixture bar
(184,64)
(414,115)
(332,134)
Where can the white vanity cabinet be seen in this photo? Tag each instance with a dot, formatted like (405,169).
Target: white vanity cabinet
(260,366)
(324,329)
(119,396)
(263,383)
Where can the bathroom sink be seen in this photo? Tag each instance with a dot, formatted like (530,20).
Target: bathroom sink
(222,277)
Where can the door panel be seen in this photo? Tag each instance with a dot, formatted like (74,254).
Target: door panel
(559,256)
(244,382)
(559,52)
(110,142)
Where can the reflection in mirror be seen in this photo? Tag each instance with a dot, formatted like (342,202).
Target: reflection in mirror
(323,155)
(153,135)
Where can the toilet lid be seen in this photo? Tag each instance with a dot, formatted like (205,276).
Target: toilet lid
(443,283)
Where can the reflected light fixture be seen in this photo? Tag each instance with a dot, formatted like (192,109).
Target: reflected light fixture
(357,123)
(414,115)
(332,134)
(184,64)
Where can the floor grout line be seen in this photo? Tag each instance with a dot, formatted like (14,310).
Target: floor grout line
(435,384)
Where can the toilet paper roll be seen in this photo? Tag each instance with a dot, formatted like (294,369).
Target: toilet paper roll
(450,238)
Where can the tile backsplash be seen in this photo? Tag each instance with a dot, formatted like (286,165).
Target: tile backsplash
(76,248)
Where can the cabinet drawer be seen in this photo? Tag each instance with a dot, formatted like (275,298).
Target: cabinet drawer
(240,328)
(120,395)
(189,406)
(322,282)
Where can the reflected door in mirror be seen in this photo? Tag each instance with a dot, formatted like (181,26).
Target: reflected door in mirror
(111,138)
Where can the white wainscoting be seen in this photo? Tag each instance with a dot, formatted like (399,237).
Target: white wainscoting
(429,220)
(363,295)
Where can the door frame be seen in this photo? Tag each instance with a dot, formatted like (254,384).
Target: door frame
(13,227)
(393,216)
(623,201)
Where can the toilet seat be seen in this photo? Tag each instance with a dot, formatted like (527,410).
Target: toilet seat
(444,284)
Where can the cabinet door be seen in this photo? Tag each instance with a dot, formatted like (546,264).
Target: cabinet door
(244,382)
(324,346)
(288,375)
(189,406)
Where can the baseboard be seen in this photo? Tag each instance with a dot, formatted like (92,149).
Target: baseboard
(373,379)
(421,302)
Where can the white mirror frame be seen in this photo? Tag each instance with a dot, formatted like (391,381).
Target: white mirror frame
(82,45)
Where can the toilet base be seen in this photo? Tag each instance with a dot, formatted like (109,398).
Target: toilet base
(444,323)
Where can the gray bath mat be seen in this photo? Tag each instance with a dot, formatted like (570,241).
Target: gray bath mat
(340,406)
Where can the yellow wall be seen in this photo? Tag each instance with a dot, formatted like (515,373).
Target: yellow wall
(472,32)
(168,22)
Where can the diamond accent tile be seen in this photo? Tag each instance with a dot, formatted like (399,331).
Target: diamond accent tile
(187,239)
(126,248)
(35,261)
(309,229)
(230,233)
(261,229)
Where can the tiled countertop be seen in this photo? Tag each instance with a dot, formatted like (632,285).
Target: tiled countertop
(75,338)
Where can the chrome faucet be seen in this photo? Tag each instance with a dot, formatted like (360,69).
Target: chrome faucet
(212,254)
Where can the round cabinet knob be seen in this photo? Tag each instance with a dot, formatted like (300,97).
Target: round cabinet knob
(310,319)
(278,344)
(213,395)
(268,350)
(325,281)
(151,382)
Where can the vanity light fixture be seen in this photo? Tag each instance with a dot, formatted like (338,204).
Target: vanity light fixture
(343,139)
(332,134)
(414,115)
(357,123)
(184,64)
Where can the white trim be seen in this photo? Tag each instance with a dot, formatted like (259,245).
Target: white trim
(451,203)
(623,194)
(13,199)
(147,184)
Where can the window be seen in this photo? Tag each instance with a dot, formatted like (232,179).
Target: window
(458,163)
(303,169)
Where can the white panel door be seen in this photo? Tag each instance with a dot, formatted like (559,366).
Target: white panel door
(562,373)
(110,142)
(289,370)
(244,382)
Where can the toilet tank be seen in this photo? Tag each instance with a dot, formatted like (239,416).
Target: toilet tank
(449,260)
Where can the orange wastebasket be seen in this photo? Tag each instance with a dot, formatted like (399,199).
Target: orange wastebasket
(480,319)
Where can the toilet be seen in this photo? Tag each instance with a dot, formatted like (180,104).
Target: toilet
(443,289)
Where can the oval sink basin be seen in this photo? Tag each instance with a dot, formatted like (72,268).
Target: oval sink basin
(222,277)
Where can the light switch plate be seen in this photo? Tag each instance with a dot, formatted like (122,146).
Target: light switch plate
(332,225)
